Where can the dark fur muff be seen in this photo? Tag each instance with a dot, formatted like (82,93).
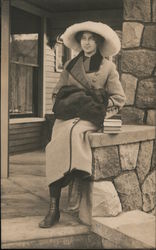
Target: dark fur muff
(90,105)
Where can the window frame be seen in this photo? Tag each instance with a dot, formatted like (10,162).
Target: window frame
(38,84)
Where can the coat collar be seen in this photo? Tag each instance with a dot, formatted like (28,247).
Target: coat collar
(76,67)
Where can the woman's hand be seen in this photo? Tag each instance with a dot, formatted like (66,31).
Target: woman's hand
(99,95)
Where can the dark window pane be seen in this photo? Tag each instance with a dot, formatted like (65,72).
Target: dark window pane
(24,63)
(21,86)
(24,48)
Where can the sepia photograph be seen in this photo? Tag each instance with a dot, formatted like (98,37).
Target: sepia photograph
(78,124)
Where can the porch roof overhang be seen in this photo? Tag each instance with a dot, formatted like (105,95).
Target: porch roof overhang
(49,7)
(75,5)
(70,11)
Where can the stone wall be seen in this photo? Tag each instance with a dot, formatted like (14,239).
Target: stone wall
(123,174)
(138,61)
(132,173)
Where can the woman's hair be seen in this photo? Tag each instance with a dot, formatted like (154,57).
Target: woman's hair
(98,39)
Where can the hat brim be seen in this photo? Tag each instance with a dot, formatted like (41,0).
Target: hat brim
(111,45)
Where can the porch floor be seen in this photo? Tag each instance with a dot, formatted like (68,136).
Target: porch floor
(25,192)
(24,203)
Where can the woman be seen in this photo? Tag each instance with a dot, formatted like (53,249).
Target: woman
(88,91)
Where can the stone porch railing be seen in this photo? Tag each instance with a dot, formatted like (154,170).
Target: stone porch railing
(138,61)
(124,168)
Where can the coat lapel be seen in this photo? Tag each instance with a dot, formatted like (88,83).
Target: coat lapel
(78,72)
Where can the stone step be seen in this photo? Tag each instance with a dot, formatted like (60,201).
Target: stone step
(129,230)
(69,233)
(36,158)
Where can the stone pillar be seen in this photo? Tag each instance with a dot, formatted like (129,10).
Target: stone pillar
(138,61)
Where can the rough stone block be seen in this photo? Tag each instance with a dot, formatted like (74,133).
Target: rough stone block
(105,200)
(105,162)
(154,11)
(151,117)
(127,186)
(132,33)
(149,37)
(132,115)
(139,10)
(144,160)
(146,93)
(99,199)
(148,190)
(128,155)
(129,84)
(139,63)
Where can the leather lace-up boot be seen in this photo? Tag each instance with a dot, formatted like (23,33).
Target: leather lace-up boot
(53,215)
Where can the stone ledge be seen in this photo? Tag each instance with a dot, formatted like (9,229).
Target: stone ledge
(18,229)
(128,134)
(82,241)
(24,232)
(134,229)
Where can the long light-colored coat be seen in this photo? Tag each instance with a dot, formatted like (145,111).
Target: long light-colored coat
(69,147)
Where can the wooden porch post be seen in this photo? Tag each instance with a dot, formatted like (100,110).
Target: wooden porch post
(5,44)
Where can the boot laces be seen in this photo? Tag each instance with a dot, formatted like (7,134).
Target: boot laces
(53,205)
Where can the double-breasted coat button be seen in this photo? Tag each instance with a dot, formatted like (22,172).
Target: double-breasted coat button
(76,120)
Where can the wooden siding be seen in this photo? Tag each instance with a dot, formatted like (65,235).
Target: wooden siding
(51,78)
(25,137)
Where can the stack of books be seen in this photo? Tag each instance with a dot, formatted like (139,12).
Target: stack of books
(112,125)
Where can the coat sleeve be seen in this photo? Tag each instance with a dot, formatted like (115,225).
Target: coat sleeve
(114,88)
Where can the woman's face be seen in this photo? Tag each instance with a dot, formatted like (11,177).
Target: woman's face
(88,43)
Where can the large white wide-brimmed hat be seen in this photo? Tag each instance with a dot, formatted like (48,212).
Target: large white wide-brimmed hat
(111,45)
